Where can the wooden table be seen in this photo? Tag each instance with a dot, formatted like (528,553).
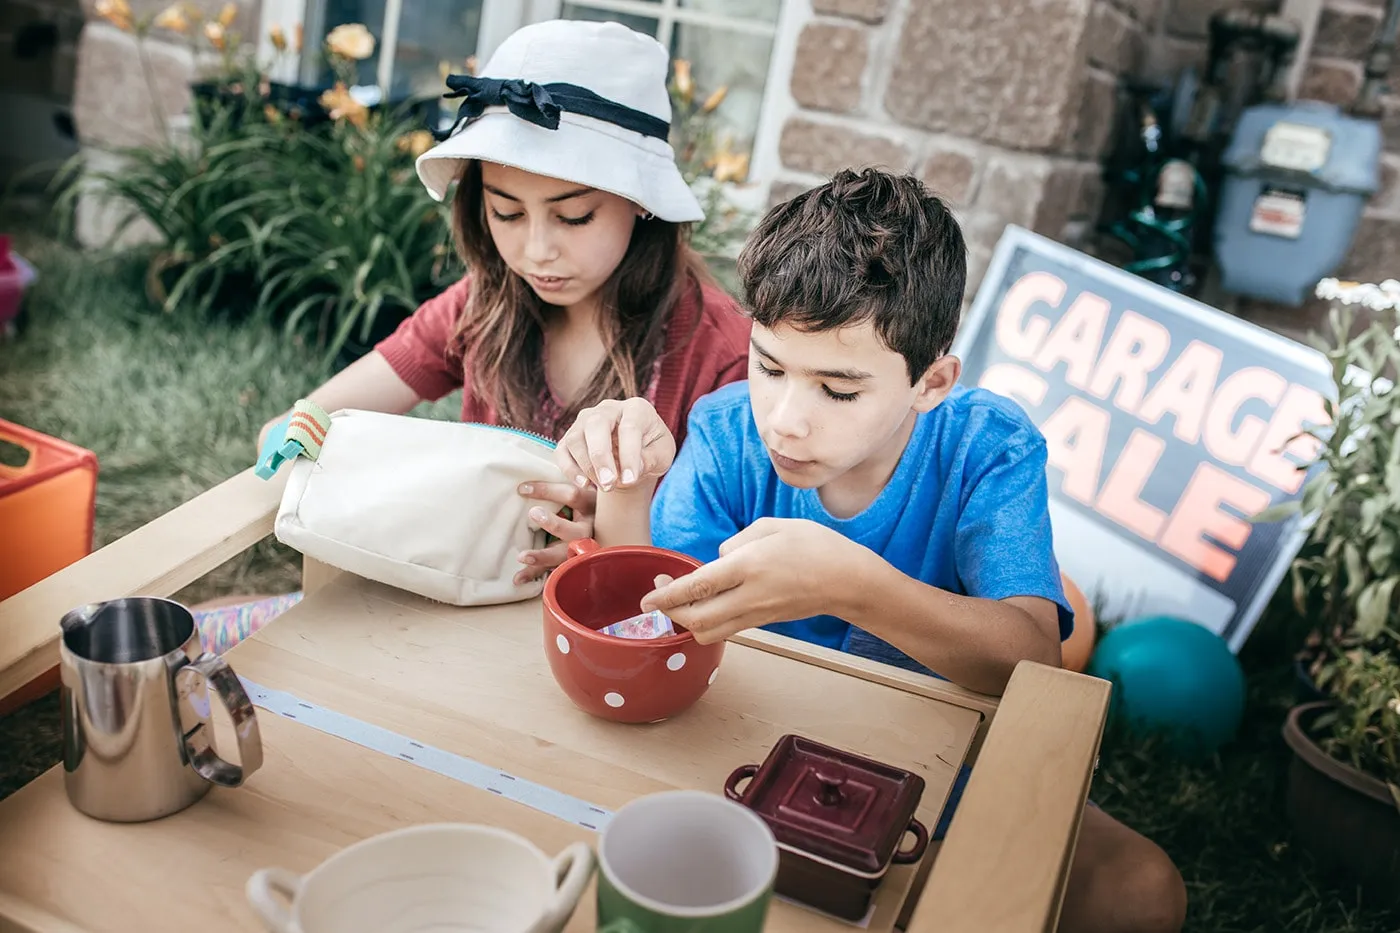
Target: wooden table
(475,682)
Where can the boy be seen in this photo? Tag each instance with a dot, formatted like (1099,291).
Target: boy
(851,494)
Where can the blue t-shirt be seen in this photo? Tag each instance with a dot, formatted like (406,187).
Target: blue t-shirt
(965,511)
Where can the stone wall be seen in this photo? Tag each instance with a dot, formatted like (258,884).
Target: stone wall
(1003,107)
(38,51)
(114,104)
(118,101)
(1006,107)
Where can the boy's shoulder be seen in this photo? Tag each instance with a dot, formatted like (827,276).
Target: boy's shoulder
(991,418)
(726,409)
(975,430)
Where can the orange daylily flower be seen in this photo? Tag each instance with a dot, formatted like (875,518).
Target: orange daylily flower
(116,12)
(685,85)
(173,18)
(340,104)
(715,99)
(415,143)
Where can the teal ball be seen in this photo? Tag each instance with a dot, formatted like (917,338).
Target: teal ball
(1172,678)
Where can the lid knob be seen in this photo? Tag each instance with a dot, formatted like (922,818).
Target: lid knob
(830,777)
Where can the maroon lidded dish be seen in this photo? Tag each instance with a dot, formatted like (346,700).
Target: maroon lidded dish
(838,819)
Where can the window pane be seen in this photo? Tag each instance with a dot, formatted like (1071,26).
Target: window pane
(643,24)
(431,33)
(762,10)
(725,58)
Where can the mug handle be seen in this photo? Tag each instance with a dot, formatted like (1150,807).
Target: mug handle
(572,869)
(224,684)
(916,851)
(263,890)
(582,546)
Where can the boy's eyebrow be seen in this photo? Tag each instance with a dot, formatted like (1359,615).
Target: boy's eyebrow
(844,375)
(576,193)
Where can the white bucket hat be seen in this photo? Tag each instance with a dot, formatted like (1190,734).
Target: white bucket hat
(580,101)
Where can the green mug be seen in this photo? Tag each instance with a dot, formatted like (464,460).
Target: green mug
(685,861)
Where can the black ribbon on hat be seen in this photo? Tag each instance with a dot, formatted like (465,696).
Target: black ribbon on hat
(541,104)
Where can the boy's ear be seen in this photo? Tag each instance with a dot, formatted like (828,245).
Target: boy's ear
(938,380)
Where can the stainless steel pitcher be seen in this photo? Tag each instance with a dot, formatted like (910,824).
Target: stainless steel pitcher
(138,743)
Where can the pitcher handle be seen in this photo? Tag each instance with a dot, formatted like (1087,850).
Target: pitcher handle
(572,869)
(263,890)
(224,684)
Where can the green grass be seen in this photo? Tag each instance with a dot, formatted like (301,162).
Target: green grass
(1222,820)
(172,406)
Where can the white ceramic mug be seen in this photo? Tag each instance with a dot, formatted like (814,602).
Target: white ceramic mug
(439,877)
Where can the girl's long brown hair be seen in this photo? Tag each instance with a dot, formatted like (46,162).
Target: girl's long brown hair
(501,331)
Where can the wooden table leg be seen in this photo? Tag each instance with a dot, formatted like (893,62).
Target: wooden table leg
(315,574)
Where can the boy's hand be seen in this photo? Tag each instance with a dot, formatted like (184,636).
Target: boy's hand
(580,502)
(615,445)
(775,570)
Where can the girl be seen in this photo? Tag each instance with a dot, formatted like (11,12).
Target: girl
(572,219)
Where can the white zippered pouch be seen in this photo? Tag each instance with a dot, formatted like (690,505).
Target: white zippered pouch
(426,506)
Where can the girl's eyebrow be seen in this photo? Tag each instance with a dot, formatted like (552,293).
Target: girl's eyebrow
(576,193)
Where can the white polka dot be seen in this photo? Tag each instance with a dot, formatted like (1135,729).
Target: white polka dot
(563,644)
(676,661)
(614,700)
(713,674)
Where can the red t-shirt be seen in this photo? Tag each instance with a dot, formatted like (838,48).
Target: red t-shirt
(698,359)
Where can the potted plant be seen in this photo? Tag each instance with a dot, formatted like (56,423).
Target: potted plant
(1343,796)
(298,210)
(1347,572)
(1344,780)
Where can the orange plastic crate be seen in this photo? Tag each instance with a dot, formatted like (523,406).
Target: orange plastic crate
(48,493)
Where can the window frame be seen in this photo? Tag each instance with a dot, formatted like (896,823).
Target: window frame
(499,18)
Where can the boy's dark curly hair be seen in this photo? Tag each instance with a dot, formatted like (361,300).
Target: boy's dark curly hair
(866,246)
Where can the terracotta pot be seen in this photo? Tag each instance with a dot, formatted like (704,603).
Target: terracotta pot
(1345,818)
(623,679)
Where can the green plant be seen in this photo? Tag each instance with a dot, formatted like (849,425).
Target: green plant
(308,216)
(356,239)
(303,209)
(1363,727)
(1350,570)
(707,163)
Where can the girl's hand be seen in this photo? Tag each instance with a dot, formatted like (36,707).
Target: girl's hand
(580,502)
(616,445)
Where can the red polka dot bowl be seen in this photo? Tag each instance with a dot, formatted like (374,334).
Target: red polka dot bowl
(632,680)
